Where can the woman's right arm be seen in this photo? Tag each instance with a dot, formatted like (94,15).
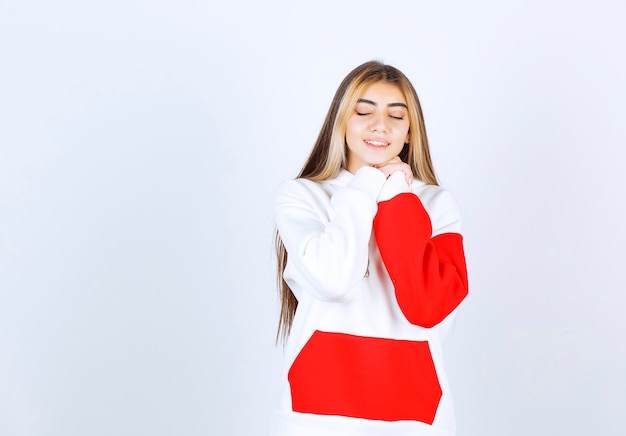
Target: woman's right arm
(328,258)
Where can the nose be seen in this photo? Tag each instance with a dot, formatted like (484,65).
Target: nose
(379,123)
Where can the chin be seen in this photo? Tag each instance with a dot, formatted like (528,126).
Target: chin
(380,160)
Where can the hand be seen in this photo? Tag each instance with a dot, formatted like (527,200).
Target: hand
(396,164)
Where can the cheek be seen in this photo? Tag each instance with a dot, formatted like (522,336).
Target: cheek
(353,130)
(353,126)
(351,142)
(403,134)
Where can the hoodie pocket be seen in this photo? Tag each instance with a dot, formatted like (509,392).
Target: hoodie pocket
(365,377)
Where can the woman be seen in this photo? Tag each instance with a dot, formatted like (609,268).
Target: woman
(371,270)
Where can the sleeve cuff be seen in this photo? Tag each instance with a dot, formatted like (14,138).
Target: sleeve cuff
(368,179)
(395,184)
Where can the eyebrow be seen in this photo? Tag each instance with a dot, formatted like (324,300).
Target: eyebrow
(363,100)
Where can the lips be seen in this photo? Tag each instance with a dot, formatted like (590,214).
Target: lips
(376,142)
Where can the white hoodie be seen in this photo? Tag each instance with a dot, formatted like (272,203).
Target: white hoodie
(378,270)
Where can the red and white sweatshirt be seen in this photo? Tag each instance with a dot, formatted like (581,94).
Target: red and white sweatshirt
(378,270)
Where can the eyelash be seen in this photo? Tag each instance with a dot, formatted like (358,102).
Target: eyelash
(367,113)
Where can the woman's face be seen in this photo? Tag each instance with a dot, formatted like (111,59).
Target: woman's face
(378,128)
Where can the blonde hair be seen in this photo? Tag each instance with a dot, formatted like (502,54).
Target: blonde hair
(329,154)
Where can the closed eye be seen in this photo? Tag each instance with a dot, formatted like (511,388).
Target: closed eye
(396,118)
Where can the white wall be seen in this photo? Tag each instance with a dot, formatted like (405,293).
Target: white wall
(140,144)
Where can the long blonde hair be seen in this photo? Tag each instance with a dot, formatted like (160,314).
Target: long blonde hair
(329,154)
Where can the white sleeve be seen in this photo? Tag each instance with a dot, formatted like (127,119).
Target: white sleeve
(328,258)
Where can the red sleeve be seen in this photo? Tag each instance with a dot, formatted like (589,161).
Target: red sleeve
(428,273)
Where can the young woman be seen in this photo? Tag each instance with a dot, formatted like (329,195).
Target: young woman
(371,270)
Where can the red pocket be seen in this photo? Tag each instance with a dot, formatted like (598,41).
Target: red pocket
(364,377)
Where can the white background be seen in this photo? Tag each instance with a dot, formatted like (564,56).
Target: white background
(140,146)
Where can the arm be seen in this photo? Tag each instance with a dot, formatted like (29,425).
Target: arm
(428,273)
(328,256)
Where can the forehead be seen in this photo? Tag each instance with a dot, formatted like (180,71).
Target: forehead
(383,92)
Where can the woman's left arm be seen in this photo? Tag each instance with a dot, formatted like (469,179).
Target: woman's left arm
(428,273)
